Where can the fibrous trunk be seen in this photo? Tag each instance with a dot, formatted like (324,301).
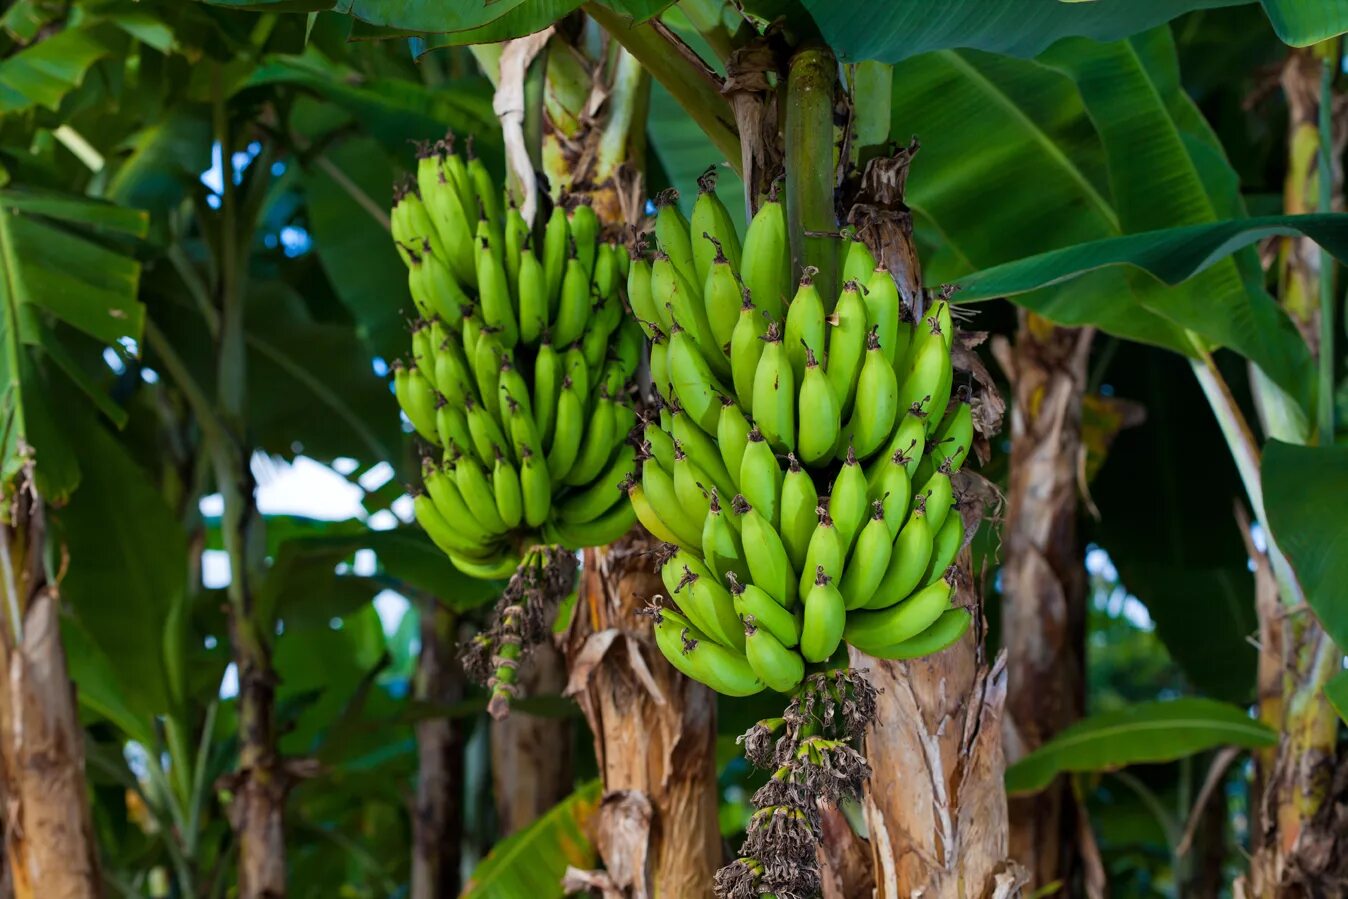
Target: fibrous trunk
(654,734)
(531,754)
(1043,580)
(49,842)
(437,822)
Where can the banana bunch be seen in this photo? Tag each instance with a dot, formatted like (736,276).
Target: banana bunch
(521,368)
(800,467)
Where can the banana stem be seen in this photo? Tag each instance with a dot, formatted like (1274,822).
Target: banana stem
(811,166)
(1325,418)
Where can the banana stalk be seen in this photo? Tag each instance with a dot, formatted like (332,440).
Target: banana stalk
(811,166)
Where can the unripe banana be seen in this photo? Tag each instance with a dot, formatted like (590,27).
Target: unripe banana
(953,437)
(926,373)
(775,394)
(478,495)
(711,218)
(696,387)
(494,568)
(453,376)
(566,437)
(452,427)
(488,200)
(751,600)
(628,348)
(869,631)
(639,296)
(804,323)
(907,443)
(511,388)
(858,263)
(577,369)
(702,449)
(847,344)
(448,215)
(493,292)
(535,487)
(442,292)
(706,603)
(584,230)
(658,487)
(423,353)
(848,502)
(692,485)
(945,547)
(516,238)
(746,348)
(869,561)
(484,430)
(720,296)
(671,232)
(826,552)
(607,528)
(556,248)
(908,561)
(686,310)
(505,482)
(547,387)
(763,551)
(532,289)
(659,363)
(942,633)
(688,650)
(777,666)
(883,311)
(940,494)
(646,514)
(877,402)
(447,538)
(721,546)
(573,310)
(820,413)
(893,490)
(825,618)
(417,398)
(732,436)
(600,495)
(596,448)
(659,444)
(487,357)
(419,229)
(799,512)
(444,493)
(760,478)
(606,270)
(766,265)
(523,431)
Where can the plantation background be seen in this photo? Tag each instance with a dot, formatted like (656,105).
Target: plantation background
(202,303)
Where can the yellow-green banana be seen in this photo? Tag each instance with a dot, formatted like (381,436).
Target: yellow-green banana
(877,630)
(766,266)
(820,413)
(760,478)
(765,555)
(869,561)
(798,512)
(825,619)
(943,632)
(908,561)
(782,669)
(775,394)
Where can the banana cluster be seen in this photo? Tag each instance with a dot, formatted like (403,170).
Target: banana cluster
(522,362)
(801,465)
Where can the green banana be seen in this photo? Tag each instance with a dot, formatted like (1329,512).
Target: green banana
(751,600)
(696,387)
(712,220)
(702,449)
(721,296)
(877,401)
(646,514)
(671,233)
(444,493)
(484,430)
(848,503)
(639,296)
(943,632)
(478,495)
(566,438)
(847,345)
(658,486)
(869,561)
(775,394)
(688,650)
(601,493)
(532,289)
(692,487)
(535,487)
(597,446)
(721,546)
(583,226)
(746,348)
(573,305)
(766,266)
(505,482)
(826,552)
(820,413)
(660,444)
(908,561)
(940,494)
(732,435)
(804,323)
(893,490)
(953,437)
(766,556)
(798,512)
(858,263)
(945,547)
(416,396)
(493,292)
(782,669)
(556,244)
(452,427)
(825,619)
(547,388)
(706,603)
(877,630)
(883,311)
(607,528)
(760,477)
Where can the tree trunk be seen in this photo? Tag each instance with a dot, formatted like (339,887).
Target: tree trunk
(437,821)
(654,734)
(531,754)
(1044,581)
(1299,840)
(935,804)
(49,841)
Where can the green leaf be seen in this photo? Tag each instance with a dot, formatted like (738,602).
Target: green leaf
(527,18)
(532,861)
(162,161)
(638,10)
(1172,255)
(1305,22)
(1147,732)
(42,75)
(50,271)
(414,563)
(127,552)
(303,588)
(893,30)
(1305,492)
(1337,692)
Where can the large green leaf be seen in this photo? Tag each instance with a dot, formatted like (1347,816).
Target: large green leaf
(1305,22)
(532,861)
(50,271)
(1305,496)
(893,30)
(42,74)
(127,571)
(1337,691)
(528,17)
(1147,732)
